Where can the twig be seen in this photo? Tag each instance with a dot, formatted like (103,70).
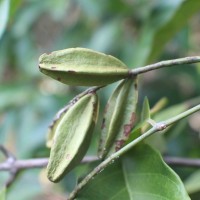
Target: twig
(156,128)
(24,164)
(10,160)
(73,101)
(13,165)
(166,63)
(183,162)
(42,162)
(35,163)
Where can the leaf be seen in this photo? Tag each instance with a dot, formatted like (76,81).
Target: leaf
(157,140)
(192,183)
(145,115)
(159,105)
(3,194)
(4,14)
(140,174)
(170,112)
(83,67)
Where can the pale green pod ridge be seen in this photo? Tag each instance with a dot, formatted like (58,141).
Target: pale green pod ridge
(53,126)
(119,117)
(60,114)
(72,137)
(82,67)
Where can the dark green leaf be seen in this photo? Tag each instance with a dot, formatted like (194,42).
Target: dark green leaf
(140,174)
(145,115)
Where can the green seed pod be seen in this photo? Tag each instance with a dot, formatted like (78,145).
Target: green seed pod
(119,117)
(82,67)
(53,126)
(72,137)
(60,114)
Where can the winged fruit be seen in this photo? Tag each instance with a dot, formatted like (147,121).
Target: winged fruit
(119,117)
(53,126)
(82,67)
(72,137)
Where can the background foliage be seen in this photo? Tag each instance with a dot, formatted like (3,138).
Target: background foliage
(138,32)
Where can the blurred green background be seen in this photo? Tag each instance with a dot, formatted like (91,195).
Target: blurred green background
(138,32)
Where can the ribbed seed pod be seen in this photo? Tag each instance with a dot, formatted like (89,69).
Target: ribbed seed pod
(57,119)
(82,67)
(52,128)
(72,137)
(119,117)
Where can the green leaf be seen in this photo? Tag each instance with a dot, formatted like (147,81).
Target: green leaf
(157,140)
(170,112)
(3,194)
(159,105)
(145,115)
(83,67)
(141,174)
(192,183)
(4,14)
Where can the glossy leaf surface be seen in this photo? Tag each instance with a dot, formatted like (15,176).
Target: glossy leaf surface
(140,174)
